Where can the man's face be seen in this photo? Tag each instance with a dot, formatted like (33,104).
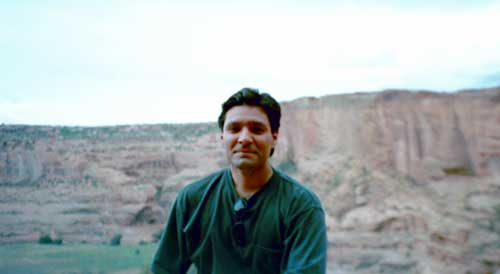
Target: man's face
(247,137)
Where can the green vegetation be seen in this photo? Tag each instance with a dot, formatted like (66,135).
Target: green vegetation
(497,211)
(81,211)
(367,264)
(105,132)
(395,268)
(13,135)
(70,132)
(438,237)
(336,181)
(186,132)
(495,221)
(92,180)
(480,249)
(366,172)
(75,258)
(19,133)
(46,239)
(491,264)
(116,240)
(458,170)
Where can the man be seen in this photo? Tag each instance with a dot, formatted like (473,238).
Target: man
(250,217)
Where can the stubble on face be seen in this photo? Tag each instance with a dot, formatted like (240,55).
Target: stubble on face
(247,137)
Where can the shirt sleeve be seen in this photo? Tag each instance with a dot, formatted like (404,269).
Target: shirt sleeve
(306,243)
(171,254)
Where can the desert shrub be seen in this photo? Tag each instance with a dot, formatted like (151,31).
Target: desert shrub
(336,181)
(366,172)
(81,211)
(497,211)
(458,170)
(116,240)
(492,265)
(45,239)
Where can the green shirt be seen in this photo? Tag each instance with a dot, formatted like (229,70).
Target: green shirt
(285,231)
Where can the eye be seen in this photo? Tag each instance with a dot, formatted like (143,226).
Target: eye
(233,128)
(258,129)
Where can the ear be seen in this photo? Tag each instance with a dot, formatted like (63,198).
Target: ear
(275,138)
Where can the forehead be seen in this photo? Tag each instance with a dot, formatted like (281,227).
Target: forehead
(246,114)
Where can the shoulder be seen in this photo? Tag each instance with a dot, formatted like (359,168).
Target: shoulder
(194,191)
(300,196)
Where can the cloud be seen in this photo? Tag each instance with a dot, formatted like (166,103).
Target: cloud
(135,62)
(110,110)
(492,79)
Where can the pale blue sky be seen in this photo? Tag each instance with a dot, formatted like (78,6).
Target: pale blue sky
(127,62)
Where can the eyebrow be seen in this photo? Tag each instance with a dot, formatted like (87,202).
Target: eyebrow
(251,123)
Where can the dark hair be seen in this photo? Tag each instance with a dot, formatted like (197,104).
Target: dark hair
(252,97)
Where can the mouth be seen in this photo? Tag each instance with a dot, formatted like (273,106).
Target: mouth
(245,151)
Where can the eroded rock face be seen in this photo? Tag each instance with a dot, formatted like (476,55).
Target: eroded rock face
(409,180)
(424,135)
(88,184)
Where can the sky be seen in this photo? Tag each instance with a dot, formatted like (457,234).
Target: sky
(95,63)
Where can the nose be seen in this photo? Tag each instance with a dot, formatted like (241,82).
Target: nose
(245,136)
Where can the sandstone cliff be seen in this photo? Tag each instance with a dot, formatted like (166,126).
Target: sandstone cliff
(410,181)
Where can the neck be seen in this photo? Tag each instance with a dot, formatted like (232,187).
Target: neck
(248,182)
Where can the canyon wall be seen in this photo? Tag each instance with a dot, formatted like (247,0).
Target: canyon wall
(410,181)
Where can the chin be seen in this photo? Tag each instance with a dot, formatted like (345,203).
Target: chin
(245,164)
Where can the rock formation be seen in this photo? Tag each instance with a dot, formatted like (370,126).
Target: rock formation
(410,181)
